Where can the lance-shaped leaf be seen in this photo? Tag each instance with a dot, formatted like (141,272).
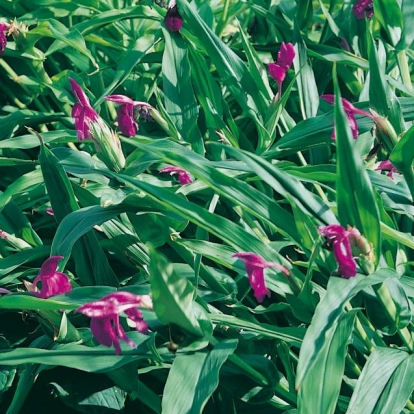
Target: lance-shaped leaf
(355,196)
(173,298)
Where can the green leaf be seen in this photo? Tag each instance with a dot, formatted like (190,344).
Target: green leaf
(193,378)
(407,35)
(284,184)
(292,335)
(128,61)
(328,312)
(248,388)
(309,133)
(388,13)
(96,359)
(321,385)
(399,388)
(179,97)
(91,262)
(88,393)
(375,309)
(308,91)
(377,372)
(230,67)
(355,196)
(70,300)
(402,157)
(57,30)
(381,97)
(173,298)
(251,199)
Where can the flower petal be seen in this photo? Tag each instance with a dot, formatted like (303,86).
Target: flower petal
(120,99)
(353,124)
(109,305)
(3,36)
(52,284)
(50,266)
(362,9)
(183,176)
(126,121)
(173,20)
(286,55)
(80,95)
(277,72)
(257,282)
(103,331)
(341,246)
(343,256)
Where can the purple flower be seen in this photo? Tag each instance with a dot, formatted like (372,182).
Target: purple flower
(255,266)
(126,117)
(350,111)
(183,176)
(53,282)
(105,325)
(362,9)
(278,69)
(340,241)
(82,112)
(387,166)
(173,19)
(3,36)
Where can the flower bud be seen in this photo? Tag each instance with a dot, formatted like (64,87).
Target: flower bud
(107,145)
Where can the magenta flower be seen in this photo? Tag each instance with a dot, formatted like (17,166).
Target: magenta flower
(82,112)
(173,19)
(3,36)
(278,69)
(126,116)
(362,9)
(340,241)
(183,176)
(255,266)
(350,111)
(387,166)
(105,325)
(53,282)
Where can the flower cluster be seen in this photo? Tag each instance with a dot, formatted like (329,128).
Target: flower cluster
(105,325)
(255,266)
(278,69)
(350,111)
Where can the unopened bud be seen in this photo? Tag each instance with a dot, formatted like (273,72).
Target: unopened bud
(385,130)
(107,145)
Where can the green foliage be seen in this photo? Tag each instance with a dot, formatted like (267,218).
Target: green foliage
(266,175)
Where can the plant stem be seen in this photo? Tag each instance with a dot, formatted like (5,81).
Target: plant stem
(404,69)
(225,12)
(353,366)
(385,298)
